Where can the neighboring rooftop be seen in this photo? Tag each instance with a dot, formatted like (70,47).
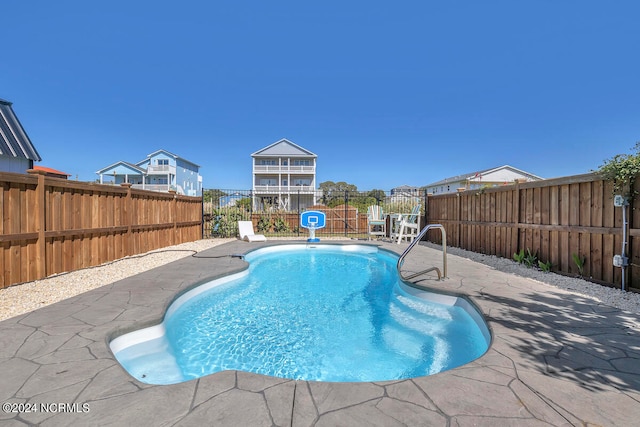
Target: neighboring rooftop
(52,172)
(504,173)
(14,141)
(495,176)
(284,147)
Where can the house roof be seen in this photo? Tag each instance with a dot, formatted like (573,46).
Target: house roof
(50,170)
(284,147)
(404,187)
(477,175)
(127,165)
(168,153)
(14,141)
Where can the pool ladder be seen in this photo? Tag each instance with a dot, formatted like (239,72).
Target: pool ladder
(414,243)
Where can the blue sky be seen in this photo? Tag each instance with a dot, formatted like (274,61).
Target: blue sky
(385,93)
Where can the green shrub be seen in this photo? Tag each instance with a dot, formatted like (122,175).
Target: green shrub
(545,266)
(579,262)
(280,225)
(264,223)
(622,170)
(531,259)
(225,222)
(519,256)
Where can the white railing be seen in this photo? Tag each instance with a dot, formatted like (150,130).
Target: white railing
(284,189)
(161,169)
(283,169)
(152,187)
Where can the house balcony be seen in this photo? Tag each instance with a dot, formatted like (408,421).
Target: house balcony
(161,170)
(153,187)
(283,189)
(262,169)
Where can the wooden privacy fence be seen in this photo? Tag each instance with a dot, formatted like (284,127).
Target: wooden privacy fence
(52,225)
(342,219)
(554,219)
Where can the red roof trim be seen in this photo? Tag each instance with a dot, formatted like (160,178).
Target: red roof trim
(50,170)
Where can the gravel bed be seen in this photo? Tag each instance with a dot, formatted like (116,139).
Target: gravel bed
(628,301)
(26,297)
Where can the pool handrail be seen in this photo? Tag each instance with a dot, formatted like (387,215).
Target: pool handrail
(414,243)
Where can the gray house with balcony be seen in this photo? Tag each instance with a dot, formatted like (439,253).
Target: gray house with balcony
(284,177)
(159,171)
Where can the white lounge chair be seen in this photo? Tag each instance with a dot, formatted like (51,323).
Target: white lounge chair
(409,225)
(245,229)
(376,221)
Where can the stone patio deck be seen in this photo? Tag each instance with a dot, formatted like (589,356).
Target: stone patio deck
(556,359)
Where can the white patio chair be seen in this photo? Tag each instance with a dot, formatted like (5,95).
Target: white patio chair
(245,229)
(376,221)
(409,225)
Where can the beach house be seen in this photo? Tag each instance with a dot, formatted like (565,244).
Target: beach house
(284,177)
(159,171)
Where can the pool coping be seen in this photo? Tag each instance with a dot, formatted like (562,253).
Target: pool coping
(556,358)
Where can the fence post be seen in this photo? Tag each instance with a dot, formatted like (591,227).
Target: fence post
(298,227)
(40,223)
(128,218)
(346,212)
(426,210)
(459,217)
(516,216)
(174,216)
(202,216)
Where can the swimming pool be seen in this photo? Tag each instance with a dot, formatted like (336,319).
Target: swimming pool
(321,313)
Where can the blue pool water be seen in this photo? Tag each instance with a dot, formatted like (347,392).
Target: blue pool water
(325,313)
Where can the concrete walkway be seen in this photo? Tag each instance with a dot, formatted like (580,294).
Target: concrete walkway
(556,359)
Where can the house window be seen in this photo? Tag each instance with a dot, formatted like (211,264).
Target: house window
(302,163)
(267,162)
(163,162)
